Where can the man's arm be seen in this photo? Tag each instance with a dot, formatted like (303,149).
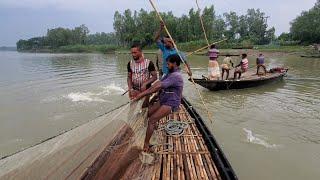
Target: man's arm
(149,81)
(154,88)
(129,82)
(157,61)
(153,78)
(157,36)
(129,78)
(239,64)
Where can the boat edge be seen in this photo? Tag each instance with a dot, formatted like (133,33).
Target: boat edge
(219,158)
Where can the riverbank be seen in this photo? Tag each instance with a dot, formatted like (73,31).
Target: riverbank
(106,49)
(76,49)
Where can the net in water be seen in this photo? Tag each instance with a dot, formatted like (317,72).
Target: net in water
(107,147)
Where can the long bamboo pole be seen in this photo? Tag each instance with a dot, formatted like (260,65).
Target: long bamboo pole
(175,46)
(201,20)
(205,47)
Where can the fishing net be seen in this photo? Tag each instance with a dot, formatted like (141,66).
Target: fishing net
(107,147)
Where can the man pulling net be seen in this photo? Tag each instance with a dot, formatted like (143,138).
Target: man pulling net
(170,88)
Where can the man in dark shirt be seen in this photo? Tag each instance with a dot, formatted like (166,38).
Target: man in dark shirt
(141,73)
(171,86)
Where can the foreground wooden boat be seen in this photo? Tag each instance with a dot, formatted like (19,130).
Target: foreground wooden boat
(249,80)
(193,155)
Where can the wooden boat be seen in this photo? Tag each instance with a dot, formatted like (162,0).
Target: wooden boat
(249,80)
(194,155)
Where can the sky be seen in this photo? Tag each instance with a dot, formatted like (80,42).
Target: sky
(23,19)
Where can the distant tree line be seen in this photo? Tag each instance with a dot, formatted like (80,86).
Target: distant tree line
(58,37)
(140,26)
(305,29)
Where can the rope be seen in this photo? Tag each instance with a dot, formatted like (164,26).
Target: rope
(178,52)
(174,127)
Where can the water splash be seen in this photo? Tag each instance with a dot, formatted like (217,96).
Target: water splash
(87,97)
(112,89)
(108,90)
(258,139)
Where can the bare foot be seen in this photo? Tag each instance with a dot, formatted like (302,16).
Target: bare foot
(148,149)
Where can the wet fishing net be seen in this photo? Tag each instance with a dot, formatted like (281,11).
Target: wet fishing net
(108,147)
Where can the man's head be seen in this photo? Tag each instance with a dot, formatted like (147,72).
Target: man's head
(213,46)
(136,52)
(260,54)
(244,55)
(168,43)
(173,62)
(228,55)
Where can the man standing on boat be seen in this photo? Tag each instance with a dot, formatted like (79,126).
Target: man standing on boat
(141,73)
(213,66)
(226,66)
(170,87)
(242,67)
(260,64)
(166,46)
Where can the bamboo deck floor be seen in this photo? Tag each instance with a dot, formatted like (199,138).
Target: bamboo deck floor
(189,157)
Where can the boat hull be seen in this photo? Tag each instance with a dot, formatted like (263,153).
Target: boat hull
(216,85)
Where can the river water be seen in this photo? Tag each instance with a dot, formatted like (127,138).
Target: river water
(268,132)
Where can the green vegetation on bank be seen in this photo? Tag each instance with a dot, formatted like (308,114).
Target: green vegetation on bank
(70,40)
(140,26)
(249,30)
(305,29)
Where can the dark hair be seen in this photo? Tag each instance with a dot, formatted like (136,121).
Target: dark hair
(228,55)
(138,46)
(174,58)
(244,55)
(213,46)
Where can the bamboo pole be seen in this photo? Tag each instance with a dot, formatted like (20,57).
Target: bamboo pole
(201,20)
(205,47)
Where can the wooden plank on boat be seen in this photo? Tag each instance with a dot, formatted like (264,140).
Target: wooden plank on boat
(188,156)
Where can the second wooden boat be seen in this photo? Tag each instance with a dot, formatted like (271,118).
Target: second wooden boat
(249,80)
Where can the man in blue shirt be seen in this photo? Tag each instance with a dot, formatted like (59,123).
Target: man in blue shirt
(166,46)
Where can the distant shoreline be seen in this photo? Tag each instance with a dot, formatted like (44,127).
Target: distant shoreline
(279,50)
(8,48)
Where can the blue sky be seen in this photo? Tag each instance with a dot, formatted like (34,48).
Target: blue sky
(22,19)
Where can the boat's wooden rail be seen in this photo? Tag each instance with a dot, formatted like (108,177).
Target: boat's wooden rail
(221,162)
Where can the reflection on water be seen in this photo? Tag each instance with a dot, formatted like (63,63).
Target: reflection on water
(270,129)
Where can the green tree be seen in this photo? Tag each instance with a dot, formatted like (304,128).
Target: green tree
(232,25)
(306,27)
